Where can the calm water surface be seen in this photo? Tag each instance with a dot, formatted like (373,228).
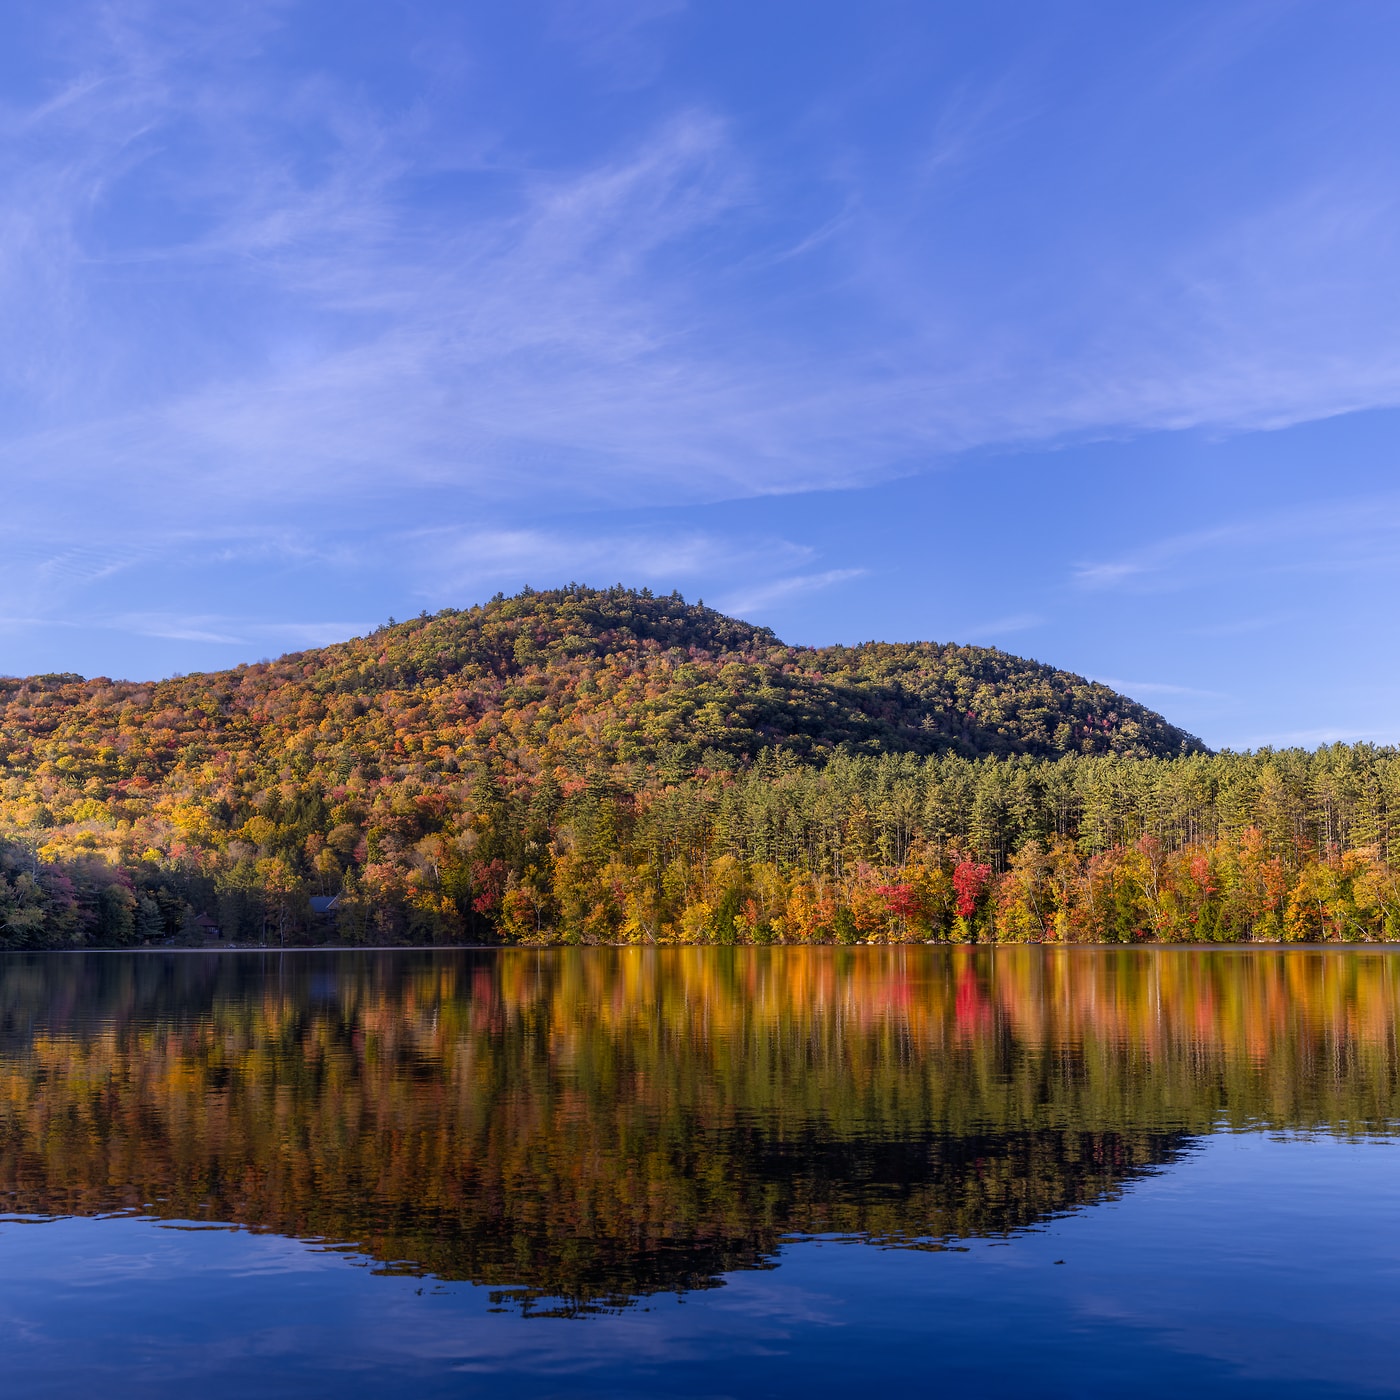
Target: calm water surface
(700,1172)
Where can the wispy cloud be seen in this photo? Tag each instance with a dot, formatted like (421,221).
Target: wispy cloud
(588,330)
(760,598)
(450,560)
(1135,688)
(17,623)
(175,628)
(217,629)
(1001,626)
(309,634)
(1347,536)
(40,576)
(523,346)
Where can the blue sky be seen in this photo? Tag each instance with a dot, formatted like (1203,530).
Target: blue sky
(1065,327)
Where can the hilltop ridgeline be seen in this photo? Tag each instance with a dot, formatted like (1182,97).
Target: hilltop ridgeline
(578,678)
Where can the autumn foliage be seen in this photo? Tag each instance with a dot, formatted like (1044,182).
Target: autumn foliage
(586,766)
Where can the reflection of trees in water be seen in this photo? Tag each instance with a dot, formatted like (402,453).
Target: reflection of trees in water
(594,1125)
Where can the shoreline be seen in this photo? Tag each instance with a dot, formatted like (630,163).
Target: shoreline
(718,947)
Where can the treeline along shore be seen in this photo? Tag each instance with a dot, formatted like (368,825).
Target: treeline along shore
(600,767)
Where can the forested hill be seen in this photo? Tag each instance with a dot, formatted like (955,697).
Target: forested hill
(592,765)
(584,680)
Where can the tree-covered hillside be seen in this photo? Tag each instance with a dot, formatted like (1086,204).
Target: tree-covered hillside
(588,681)
(587,765)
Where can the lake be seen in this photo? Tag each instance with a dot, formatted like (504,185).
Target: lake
(700,1172)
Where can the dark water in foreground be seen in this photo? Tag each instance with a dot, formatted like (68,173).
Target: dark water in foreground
(700,1172)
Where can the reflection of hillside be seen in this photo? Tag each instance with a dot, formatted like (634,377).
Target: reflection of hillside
(595,1125)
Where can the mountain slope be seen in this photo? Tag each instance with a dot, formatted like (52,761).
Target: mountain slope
(585,766)
(578,679)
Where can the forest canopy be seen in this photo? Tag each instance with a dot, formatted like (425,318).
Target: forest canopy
(599,766)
